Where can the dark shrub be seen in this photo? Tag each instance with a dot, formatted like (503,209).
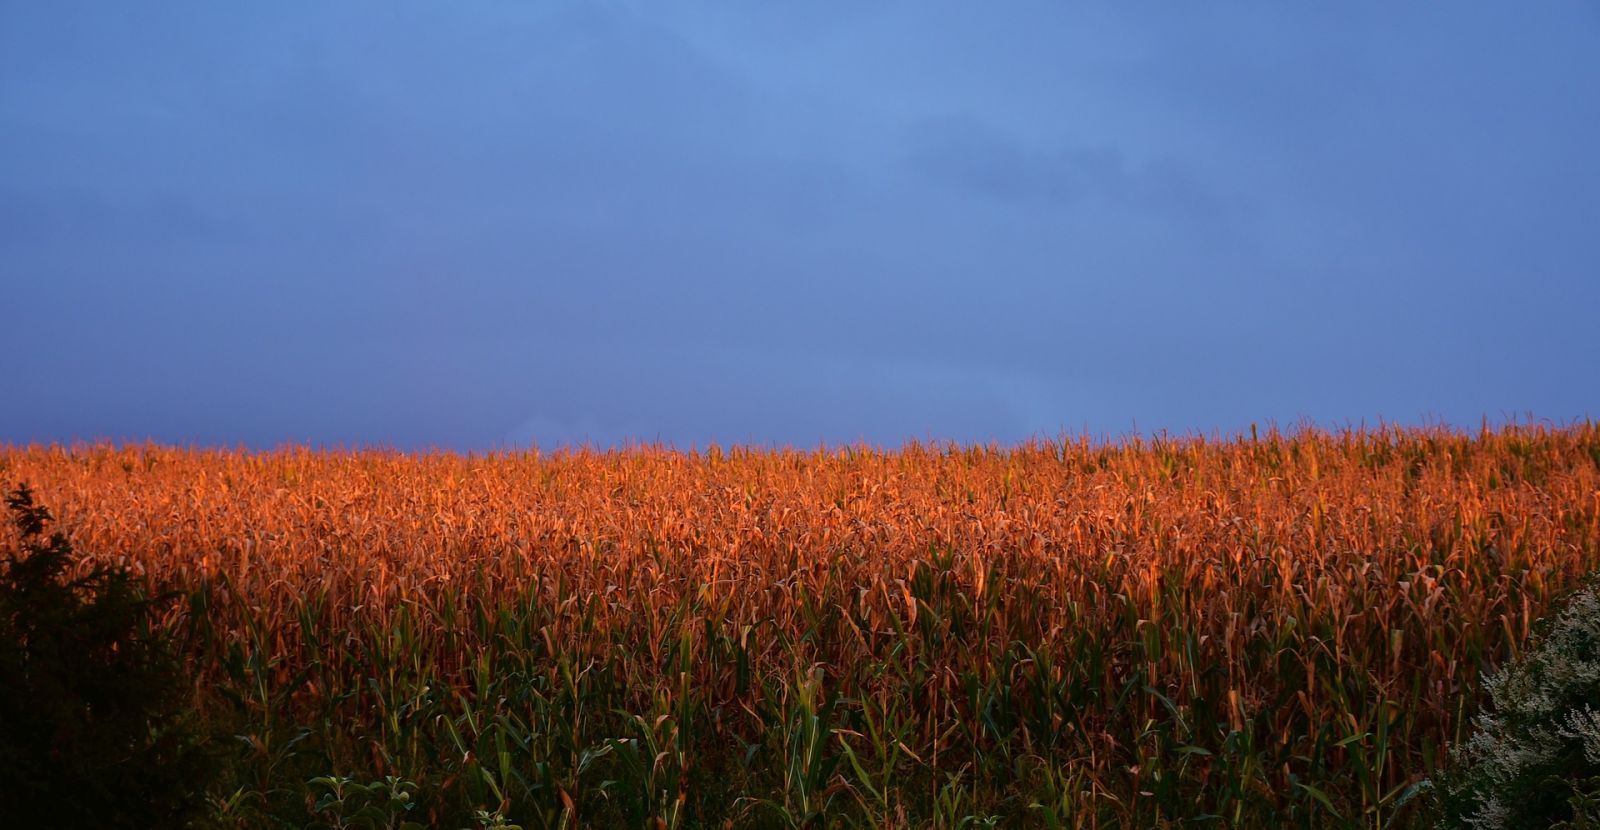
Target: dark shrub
(1534,757)
(93,731)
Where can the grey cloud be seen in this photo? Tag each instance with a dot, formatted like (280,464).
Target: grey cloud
(973,157)
(823,396)
(419,224)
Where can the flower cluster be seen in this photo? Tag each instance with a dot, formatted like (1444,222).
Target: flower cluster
(1534,759)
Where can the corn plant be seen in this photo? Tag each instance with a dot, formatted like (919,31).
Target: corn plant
(1269,629)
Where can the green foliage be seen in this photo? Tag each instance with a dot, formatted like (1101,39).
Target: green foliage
(1534,759)
(93,731)
(346,804)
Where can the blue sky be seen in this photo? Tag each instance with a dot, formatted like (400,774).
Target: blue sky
(473,225)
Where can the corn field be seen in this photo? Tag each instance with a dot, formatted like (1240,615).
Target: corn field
(1284,629)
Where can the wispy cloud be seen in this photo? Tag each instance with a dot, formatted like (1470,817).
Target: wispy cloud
(971,156)
(467,225)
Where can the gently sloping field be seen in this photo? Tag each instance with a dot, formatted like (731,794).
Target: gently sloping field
(1283,631)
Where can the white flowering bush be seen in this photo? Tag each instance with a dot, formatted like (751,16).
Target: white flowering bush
(1534,758)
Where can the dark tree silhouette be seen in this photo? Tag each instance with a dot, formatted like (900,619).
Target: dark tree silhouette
(94,730)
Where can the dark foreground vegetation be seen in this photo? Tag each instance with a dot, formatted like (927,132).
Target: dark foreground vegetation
(1274,632)
(94,704)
